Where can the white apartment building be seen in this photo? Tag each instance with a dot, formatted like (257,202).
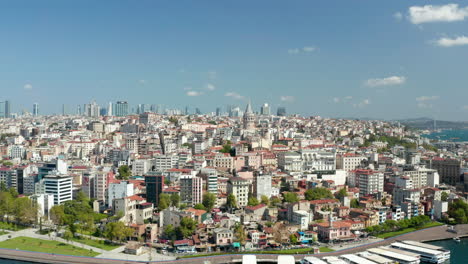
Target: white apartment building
(368,181)
(44,202)
(290,161)
(165,162)
(262,184)
(423,177)
(60,186)
(240,188)
(318,159)
(349,161)
(191,189)
(141,167)
(119,190)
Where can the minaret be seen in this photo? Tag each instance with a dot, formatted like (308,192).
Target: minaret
(249,118)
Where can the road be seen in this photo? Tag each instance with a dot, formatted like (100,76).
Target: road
(433,233)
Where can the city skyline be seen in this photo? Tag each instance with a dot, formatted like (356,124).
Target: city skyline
(324,61)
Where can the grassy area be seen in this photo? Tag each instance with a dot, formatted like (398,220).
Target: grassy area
(279,252)
(46,246)
(95,243)
(407,230)
(10,226)
(3,233)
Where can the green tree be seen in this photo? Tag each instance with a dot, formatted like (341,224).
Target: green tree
(231,202)
(252,201)
(354,203)
(239,232)
(124,172)
(318,193)
(290,197)
(169,232)
(444,196)
(117,231)
(175,199)
(199,207)
(226,148)
(293,239)
(264,199)
(186,228)
(209,201)
(57,215)
(341,193)
(275,201)
(67,235)
(164,201)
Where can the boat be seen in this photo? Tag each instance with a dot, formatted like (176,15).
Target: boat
(457,239)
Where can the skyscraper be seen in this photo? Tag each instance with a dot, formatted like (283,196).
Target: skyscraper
(265,110)
(92,109)
(121,108)
(35,110)
(281,111)
(7,109)
(218,111)
(64,109)
(109,109)
(2,109)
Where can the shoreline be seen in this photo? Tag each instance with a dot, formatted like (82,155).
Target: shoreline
(436,233)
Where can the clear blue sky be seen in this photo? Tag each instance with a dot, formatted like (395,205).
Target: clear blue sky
(333,58)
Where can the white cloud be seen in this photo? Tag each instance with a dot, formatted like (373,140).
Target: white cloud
(392,80)
(451,42)
(142,82)
(345,99)
(435,13)
(362,104)
(336,99)
(210,87)
(465,107)
(305,49)
(309,49)
(234,95)
(425,98)
(425,101)
(349,97)
(398,16)
(287,98)
(193,93)
(293,51)
(28,86)
(187,88)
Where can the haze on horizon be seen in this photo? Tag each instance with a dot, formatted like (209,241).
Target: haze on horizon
(379,59)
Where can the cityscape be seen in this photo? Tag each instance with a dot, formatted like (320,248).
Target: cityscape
(256,160)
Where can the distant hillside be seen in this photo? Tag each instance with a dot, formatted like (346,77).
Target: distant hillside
(427,123)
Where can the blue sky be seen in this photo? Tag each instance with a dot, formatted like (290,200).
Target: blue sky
(366,58)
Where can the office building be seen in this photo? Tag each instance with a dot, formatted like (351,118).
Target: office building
(7,109)
(60,186)
(265,109)
(109,109)
(118,190)
(154,187)
(281,111)
(121,108)
(35,110)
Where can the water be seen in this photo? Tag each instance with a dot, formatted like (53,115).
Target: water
(451,135)
(458,251)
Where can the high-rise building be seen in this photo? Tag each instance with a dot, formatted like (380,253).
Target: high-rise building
(448,169)
(7,109)
(191,189)
(198,111)
(265,110)
(78,110)
(92,110)
(2,109)
(35,110)
(121,108)
(109,109)
(64,109)
(240,188)
(262,186)
(218,111)
(281,111)
(154,187)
